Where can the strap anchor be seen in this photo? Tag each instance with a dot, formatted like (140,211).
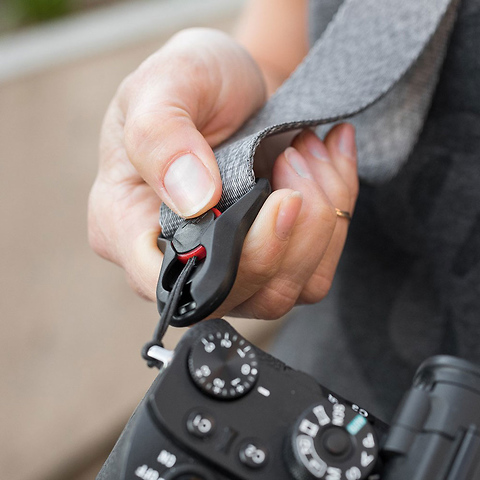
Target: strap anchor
(215,240)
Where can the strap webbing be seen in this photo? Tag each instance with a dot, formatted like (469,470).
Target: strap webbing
(367,48)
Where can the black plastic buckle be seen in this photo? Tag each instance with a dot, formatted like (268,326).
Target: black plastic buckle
(217,241)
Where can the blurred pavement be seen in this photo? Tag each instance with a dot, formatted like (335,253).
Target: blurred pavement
(71,330)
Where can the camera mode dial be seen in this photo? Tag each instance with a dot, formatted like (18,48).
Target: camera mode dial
(223,365)
(332,440)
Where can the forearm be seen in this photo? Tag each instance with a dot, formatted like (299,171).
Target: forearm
(275,34)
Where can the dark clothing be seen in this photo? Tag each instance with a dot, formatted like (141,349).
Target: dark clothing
(408,284)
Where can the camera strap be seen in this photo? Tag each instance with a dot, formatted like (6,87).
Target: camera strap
(382,54)
(168,312)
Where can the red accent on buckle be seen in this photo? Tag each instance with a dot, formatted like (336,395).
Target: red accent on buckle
(198,252)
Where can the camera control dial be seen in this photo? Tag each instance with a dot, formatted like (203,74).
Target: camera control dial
(223,365)
(332,440)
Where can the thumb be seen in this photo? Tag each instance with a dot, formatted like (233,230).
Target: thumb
(166,104)
(192,93)
(174,158)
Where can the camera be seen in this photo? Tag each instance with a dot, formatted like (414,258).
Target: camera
(223,409)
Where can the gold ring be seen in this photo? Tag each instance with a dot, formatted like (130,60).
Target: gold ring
(343,214)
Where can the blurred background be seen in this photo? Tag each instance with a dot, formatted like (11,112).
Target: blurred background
(71,330)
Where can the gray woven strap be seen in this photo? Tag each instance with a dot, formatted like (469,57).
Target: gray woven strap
(369,47)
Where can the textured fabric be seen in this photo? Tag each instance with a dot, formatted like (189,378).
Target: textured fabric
(408,284)
(322,11)
(368,47)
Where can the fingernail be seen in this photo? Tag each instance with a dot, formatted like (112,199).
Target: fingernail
(315,146)
(346,141)
(287,215)
(297,162)
(189,184)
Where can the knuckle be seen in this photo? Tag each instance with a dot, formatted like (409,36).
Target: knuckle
(316,289)
(128,86)
(273,303)
(140,78)
(139,130)
(262,267)
(260,273)
(260,263)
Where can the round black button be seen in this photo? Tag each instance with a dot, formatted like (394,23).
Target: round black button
(201,424)
(253,454)
(337,442)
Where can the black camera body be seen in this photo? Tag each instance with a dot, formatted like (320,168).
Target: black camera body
(223,409)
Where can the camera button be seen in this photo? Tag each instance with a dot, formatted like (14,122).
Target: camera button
(337,442)
(253,454)
(200,424)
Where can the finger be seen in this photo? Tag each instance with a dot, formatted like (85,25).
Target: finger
(340,142)
(307,243)
(179,103)
(143,264)
(335,172)
(332,169)
(169,152)
(123,227)
(265,245)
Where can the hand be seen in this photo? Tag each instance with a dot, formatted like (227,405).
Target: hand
(292,250)
(156,146)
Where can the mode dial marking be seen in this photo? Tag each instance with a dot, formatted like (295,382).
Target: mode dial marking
(223,365)
(331,440)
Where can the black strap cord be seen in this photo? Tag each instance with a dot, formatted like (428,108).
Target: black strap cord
(171,307)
